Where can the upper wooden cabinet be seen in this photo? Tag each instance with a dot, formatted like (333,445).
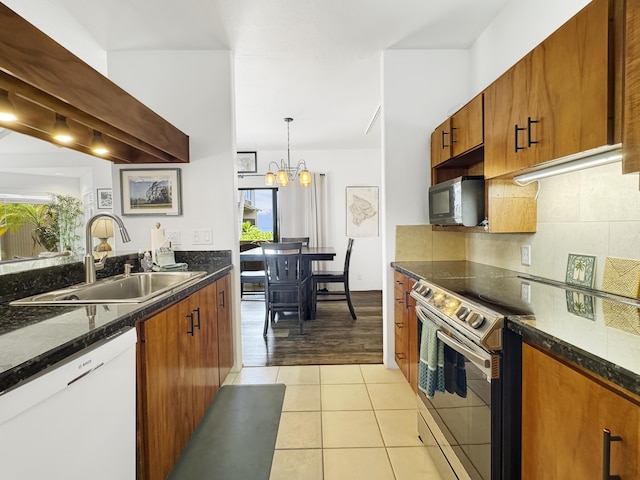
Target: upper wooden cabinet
(631,137)
(467,127)
(558,100)
(459,133)
(441,143)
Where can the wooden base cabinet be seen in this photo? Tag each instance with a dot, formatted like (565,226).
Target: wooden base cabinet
(225,333)
(406,329)
(179,354)
(564,414)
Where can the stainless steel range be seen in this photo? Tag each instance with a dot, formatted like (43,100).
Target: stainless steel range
(465,422)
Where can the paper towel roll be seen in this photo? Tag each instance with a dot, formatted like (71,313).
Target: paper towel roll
(157,240)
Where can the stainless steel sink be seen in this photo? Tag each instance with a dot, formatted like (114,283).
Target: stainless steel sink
(136,288)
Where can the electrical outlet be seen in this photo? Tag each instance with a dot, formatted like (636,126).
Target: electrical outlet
(173,237)
(525,255)
(202,237)
(525,292)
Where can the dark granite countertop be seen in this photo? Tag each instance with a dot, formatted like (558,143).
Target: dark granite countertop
(33,338)
(604,338)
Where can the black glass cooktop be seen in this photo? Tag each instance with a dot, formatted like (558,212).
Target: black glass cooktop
(512,293)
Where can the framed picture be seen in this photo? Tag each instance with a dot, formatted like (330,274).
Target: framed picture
(580,270)
(247,162)
(151,191)
(105,199)
(362,211)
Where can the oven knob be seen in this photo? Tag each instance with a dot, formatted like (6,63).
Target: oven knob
(426,292)
(475,320)
(462,313)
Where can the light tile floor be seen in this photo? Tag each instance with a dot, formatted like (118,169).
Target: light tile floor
(345,421)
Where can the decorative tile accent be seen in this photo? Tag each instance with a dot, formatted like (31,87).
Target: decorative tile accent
(580,304)
(580,270)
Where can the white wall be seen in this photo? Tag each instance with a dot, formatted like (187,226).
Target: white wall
(342,168)
(60,26)
(193,90)
(419,91)
(516,30)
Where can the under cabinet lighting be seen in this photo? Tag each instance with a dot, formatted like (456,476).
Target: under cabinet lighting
(572,163)
(61,131)
(7,110)
(97,145)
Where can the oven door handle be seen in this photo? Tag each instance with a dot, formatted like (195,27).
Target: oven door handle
(461,349)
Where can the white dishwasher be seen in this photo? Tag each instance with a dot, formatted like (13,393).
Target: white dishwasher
(76,420)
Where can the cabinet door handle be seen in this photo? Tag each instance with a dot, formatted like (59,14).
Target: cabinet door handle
(400,356)
(516,130)
(191,326)
(529,123)
(406,299)
(197,311)
(452,141)
(221,299)
(443,144)
(399,324)
(607,438)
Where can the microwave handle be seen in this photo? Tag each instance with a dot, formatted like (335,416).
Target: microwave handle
(462,350)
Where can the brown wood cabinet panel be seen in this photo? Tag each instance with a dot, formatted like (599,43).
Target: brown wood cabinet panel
(167,389)
(225,332)
(179,357)
(506,103)
(441,143)
(467,127)
(406,329)
(564,412)
(631,138)
(558,100)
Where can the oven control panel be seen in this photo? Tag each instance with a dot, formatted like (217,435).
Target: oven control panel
(474,320)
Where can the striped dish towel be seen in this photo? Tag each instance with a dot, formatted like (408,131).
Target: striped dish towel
(431,366)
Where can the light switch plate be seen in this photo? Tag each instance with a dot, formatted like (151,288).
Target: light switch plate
(525,292)
(526,255)
(173,237)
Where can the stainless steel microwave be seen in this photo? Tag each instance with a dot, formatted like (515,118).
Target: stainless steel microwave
(459,201)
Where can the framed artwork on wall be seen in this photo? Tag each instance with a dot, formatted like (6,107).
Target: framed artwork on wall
(247,162)
(105,198)
(362,211)
(151,191)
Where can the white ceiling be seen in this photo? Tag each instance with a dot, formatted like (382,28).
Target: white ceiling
(317,61)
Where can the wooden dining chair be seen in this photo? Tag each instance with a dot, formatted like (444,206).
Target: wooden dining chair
(251,276)
(303,240)
(322,276)
(285,284)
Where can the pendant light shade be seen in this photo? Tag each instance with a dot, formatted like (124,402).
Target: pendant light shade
(285,172)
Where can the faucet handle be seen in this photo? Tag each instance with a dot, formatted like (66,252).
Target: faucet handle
(127,269)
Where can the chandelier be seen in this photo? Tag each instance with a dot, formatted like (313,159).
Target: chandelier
(285,172)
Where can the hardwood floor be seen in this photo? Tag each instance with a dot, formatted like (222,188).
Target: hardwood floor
(332,338)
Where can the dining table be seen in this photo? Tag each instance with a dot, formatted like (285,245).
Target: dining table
(309,255)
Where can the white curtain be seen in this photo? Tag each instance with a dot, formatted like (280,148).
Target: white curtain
(317,211)
(303,210)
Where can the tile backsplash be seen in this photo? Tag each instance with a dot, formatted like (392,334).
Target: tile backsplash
(591,212)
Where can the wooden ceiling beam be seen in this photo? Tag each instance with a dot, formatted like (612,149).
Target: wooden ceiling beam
(43,78)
